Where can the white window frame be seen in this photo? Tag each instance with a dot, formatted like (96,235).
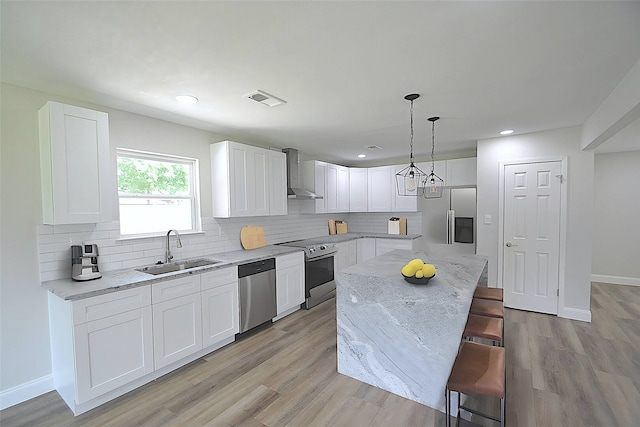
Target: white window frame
(194,186)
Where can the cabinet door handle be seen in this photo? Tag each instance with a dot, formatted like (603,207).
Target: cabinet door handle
(509,244)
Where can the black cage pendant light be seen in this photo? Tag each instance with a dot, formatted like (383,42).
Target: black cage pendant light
(433,184)
(410,179)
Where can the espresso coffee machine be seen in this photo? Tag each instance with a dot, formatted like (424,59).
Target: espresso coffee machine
(84,262)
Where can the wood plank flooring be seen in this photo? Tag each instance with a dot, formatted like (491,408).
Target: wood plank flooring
(559,373)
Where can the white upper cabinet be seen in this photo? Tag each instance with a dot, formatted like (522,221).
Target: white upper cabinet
(277,183)
(243,183)
(313,175)
(358,189)
(74,164)
(461,173)
(337,193)
(379,189)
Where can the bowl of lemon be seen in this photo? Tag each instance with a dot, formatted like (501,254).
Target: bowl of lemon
(417,272)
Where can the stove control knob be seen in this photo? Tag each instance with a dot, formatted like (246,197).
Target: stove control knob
(312,250)
(323,248)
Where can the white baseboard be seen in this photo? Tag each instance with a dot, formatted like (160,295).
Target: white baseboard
(616,280)
(23,392)
(575,314)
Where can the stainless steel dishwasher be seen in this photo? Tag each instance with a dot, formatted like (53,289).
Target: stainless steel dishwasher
(257,288)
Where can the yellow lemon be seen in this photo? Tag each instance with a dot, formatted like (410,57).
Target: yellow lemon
(428,270)
(412,267)
(419,274)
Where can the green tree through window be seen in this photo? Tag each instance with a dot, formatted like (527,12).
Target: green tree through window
(137,176)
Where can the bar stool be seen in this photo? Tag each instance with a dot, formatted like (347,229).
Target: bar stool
(482,292)
(478,369)
(491,328)
(486,307)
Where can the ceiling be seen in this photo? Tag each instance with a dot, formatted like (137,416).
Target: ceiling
(342,67)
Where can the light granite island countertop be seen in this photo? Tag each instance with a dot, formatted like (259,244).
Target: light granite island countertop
(400,337)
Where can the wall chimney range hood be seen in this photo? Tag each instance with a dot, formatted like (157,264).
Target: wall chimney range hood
(294,189)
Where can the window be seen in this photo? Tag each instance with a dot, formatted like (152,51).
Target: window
(157,193)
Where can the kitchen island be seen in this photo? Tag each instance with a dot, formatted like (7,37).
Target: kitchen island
(401,337)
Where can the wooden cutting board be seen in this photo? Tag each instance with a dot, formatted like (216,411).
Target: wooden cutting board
(252,237)
(341,227)
(332,226)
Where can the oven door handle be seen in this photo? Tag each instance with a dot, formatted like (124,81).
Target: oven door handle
(321,257)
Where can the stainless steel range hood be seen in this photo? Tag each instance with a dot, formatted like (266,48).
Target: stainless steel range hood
(294,189)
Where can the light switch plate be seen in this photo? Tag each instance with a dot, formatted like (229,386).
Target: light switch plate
(487,219)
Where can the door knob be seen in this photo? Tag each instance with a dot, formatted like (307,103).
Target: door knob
(509,244)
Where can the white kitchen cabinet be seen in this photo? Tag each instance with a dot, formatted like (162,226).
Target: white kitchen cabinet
(290,283)
(379,190)
(242,183)
(346,255)
(337,191)
(461,173)
(401,203)
(384,245)
(74,165)
(277,183)
(100,344)
(313,176)
(177,319)
(366,249)
(220,309)
(358,189)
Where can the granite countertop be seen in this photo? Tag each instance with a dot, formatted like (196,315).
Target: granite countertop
(400,337)
(114,281)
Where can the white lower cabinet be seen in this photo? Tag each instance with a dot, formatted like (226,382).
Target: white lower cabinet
(177,329)
(105,346)
(177,319)
(112,352)
(100,344)
(289,283)
(346,255)
(366,248)
(387,245)
(220,310)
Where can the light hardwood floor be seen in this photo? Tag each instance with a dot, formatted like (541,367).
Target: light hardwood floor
(559,373)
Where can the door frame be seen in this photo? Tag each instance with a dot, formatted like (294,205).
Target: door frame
(563,220)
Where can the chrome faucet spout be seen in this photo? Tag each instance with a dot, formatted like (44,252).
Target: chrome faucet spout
(169,256)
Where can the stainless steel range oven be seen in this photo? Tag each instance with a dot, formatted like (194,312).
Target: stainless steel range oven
(318,271)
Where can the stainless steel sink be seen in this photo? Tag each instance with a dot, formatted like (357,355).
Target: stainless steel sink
(177,266)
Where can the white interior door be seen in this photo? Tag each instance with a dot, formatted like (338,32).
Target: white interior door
(532,236)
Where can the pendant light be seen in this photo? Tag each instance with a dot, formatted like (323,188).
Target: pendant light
(433,184)
(409,179)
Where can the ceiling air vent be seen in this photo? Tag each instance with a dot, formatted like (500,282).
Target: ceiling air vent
(265,98)
(373,147)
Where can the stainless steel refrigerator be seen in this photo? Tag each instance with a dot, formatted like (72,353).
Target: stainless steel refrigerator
(450,222)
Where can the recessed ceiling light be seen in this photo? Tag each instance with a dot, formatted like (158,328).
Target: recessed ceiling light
(506,132)
(186,99)
(362,156)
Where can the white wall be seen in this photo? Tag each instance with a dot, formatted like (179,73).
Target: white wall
(616,230)
(556,143)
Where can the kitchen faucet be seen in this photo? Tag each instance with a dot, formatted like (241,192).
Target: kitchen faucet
(169,257)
